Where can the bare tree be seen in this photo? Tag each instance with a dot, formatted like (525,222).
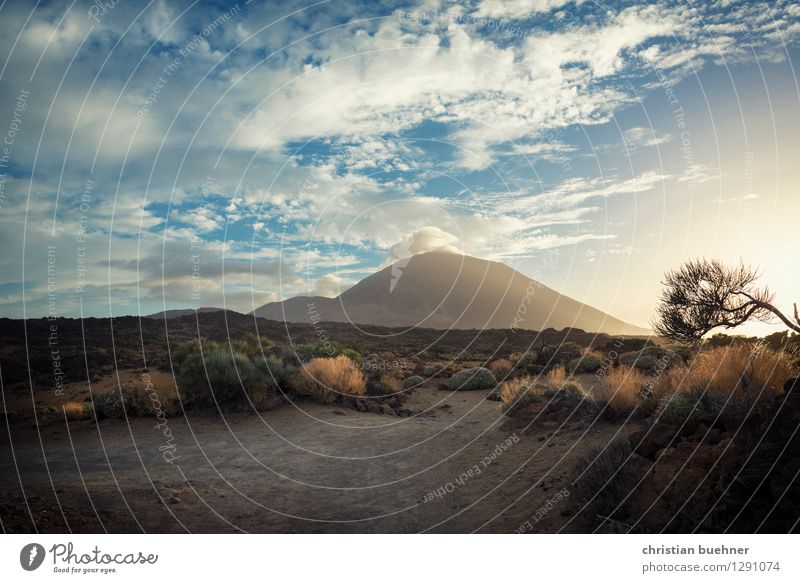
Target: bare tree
(705,294)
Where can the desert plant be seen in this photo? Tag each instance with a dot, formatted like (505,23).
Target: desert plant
(251,346)
(352,354)
(214,375)
(413,381)
(586,363)
(650,359)
(275,371)
(264,399)
(557,376)
(75,410)
(574,389)
(620,387)
(389,384)
(472,379)
(740,371)
(682,409)
(329,379)
(706,294)
(114,403)
(516,394)
(501,367)
(432,370)
(559,354)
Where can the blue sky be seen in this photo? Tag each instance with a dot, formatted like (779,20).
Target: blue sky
(198,153)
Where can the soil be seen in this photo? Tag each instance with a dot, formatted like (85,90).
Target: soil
(454,465)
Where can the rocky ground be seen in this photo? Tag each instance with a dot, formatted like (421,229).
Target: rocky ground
(454,464)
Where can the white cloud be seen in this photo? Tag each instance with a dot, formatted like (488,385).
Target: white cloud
(330,285)
(519,9)
(424,240)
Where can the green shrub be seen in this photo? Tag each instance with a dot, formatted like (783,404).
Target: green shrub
(438,370)
(275,372)
(352,354)
(412,382)
(214,375)
(115,403)
(251,346)
(473,379)
(301,353)
(556,354)
(650,359)
(574,390)
(682,408)
(585,364)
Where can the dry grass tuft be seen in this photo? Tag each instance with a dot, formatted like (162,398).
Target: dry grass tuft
(327,379)
(390,384)
(518,392)
(557,376)
(75,410)
(501,367)
(742,371)
(620,388)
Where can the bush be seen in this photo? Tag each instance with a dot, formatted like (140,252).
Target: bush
(328,379)
(213,375)
(251,346)
(501,367)
(742,372)
(557,376)
(650,359)
(473,379)
(389,384)
(413,381)
(585,364)
(620,387)
(352,354)
(75,410)
(275,372)
(682,409)
(574,389)
(439,370)
(516,394)
(559,354)
(114,403)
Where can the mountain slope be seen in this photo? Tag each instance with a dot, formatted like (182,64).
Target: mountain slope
(445,290)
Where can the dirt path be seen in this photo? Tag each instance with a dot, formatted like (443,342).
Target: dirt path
(311,468)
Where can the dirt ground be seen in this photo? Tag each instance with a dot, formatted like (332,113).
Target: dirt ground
(456,465)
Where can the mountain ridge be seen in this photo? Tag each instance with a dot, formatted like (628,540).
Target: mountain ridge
(446,290)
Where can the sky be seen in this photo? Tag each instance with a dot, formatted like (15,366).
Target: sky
(178,154)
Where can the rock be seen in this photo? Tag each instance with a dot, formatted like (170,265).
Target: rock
(386,409)
(361,406)
(648,442)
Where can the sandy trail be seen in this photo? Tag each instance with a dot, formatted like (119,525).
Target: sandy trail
(309,468)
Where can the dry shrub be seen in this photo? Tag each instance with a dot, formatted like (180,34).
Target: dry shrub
(739,371)
(75,410)
(620,388)
(501,367)
(327,379)
(390,384)
(264,399)
(557,376)
(518,392)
